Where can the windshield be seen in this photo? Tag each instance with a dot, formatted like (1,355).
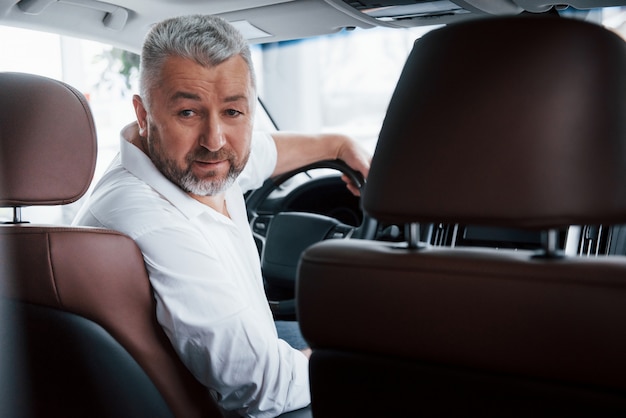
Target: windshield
(336,83)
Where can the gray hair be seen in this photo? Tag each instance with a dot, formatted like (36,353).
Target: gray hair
(207,40)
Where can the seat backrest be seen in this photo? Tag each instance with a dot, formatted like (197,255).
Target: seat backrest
(507,122)
(79,302)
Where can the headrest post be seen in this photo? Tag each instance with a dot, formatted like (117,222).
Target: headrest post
(550,239)
(17,215)
(413,235)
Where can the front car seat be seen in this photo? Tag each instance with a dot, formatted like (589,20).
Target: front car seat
(507,122)
(78,312)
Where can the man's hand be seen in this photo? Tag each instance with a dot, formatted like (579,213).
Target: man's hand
(356,157)
(298,150)
(307,352)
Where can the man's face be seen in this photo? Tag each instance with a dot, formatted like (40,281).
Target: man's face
(199,124)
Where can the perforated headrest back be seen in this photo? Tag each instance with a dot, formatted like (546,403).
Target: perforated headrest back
(507,122)
(47,141)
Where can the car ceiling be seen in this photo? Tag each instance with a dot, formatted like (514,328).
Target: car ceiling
(124,23)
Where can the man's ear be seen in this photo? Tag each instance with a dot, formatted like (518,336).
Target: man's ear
(142,115)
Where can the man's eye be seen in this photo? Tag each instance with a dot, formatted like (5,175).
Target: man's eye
(233,112)
(186,113)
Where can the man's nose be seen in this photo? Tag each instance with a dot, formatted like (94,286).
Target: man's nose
(213,137)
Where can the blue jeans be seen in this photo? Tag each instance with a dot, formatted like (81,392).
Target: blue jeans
(290,332)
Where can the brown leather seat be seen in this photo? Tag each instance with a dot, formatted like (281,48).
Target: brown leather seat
(509,122)
(79,307)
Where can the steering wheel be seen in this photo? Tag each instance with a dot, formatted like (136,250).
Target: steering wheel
(283,236)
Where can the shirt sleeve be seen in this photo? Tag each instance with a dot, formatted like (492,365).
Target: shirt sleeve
(261,163)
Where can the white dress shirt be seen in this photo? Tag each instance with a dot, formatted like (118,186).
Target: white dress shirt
(205,271)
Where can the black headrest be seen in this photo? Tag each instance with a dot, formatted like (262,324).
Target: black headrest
(507,122)
(47,141)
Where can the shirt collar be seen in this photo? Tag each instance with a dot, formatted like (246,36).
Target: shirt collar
(139,164)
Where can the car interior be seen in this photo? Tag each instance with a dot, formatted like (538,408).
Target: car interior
(482,272)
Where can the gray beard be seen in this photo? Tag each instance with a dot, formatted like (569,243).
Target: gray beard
(185,178)
(191,184)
